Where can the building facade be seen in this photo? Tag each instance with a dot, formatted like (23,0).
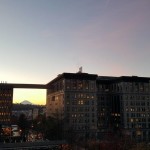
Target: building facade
(6,96)
(124,105)
(73,97)
(99,103)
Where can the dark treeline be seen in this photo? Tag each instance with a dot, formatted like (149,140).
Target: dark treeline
(25,107)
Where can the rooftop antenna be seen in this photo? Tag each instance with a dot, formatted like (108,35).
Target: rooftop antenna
(80,69)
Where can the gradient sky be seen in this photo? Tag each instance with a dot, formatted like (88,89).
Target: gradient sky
(40,39)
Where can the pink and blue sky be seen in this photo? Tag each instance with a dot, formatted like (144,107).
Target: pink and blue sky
(40,39)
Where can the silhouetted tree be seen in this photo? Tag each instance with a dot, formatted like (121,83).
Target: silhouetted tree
(23,123)
(39,124)
(54,129)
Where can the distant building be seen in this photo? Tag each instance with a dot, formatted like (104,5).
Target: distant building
(16,114)
(30,111)
(35,113)
(6,96)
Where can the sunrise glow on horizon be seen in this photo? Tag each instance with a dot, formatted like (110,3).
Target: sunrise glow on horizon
(35,96)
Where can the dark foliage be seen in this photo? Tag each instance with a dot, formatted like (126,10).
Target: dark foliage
(50,127)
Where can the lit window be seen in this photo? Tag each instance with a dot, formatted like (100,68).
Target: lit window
(92,96)
(80,84)
(87,96)
(131,120)
(80,102)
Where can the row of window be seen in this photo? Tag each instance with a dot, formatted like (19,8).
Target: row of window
(137,97)
(5,105)
(5,101)
(136,120)
(137,103)
(75,95)
(143,115)
(83,121)
(81,102)
(4,113)
(125,97)
(139,125)
(6,95)
(80,84)
(80,109)
(57,86)
(5,108)
(136,109)
(81,127)
(82,115)
(140,115)
(55,98)
(80,95)
(4,120)
(133,87)
(73,85)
